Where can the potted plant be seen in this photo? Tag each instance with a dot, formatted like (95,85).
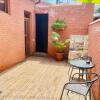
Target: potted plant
(58,24)
(60,45)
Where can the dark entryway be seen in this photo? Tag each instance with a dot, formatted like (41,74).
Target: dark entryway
(42,33)
(27,32)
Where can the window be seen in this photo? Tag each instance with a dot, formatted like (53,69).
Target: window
(26,14)
(61,1)
(66,1)
(37,1)
(4,5)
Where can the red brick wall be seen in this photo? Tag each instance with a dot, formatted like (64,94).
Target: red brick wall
(12,42)
(94,52)
(77,18)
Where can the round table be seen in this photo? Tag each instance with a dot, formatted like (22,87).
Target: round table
(81,64)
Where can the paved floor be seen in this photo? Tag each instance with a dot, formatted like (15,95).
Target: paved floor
(37,78)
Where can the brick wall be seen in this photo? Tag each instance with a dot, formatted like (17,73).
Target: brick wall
(12,39)
(77,18)
(94,52)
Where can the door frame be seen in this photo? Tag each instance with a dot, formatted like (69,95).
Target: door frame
(27,34)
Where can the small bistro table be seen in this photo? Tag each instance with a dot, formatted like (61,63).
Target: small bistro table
(81,65)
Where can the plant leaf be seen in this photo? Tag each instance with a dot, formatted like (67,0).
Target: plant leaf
(55,35)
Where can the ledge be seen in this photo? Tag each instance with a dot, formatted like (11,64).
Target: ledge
(94,22)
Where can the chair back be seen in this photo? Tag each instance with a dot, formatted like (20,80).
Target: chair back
(90,58)
(94,79)
(87,58)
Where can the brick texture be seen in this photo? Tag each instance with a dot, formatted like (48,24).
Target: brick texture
(94,52)
(77,18)
(12,39)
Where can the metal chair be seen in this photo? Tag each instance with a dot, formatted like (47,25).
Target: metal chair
(87,58)
(82,87)
(70,66)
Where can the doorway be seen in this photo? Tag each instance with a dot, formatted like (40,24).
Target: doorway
(42,33)
(27,33)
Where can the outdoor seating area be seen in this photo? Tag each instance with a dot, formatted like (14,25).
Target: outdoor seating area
(82,83)
(49,50)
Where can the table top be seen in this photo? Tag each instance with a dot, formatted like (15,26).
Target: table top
(80,63)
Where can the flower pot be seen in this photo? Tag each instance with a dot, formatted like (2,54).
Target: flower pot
(59,56)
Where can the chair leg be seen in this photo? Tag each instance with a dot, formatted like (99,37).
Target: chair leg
(68,92)
(70,74)
(69,69)
(85,97)
(90,94)
(62,93)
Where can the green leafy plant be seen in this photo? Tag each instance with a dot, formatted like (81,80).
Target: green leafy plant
(58,24)
(58,43)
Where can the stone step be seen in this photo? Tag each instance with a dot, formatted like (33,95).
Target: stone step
(40,54)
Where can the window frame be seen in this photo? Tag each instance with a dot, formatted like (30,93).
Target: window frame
(37,1)
(6,6)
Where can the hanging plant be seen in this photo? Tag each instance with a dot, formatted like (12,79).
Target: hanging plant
(58,24)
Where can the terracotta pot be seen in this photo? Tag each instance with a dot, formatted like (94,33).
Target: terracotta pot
(59,56)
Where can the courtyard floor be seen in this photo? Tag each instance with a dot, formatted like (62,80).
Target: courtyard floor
(37,78)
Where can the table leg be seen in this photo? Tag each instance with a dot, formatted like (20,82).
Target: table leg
(86,75)
(79,72)
(82,73)
(81,76)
